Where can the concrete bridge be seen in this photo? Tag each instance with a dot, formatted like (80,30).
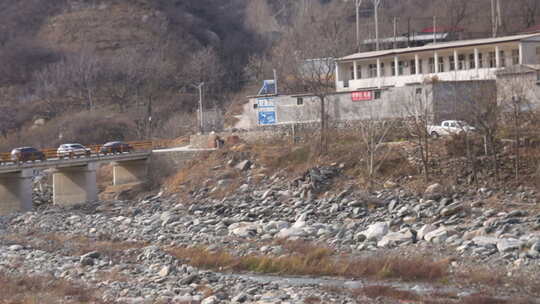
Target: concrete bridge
(74,180)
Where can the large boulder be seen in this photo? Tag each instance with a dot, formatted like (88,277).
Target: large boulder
(485,241)
(243,229)
(376,231)
(396,238)
(451,209)
(507,245)
(425,230)
(437,236)
(434,191)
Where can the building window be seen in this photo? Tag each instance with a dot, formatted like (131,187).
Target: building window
(480,61)
(413,67)
(372,70)
(420,68)
(452,63)
(461,62)
(359,71)
(376,94)
(299,101)
(441,64)
(515,57)
(418,91)
(401,64)
(502,59)
(492,60)
(345,83)
(382,69)
(352,72)
(255,106)
(393,66)
(431,64)
(472,64)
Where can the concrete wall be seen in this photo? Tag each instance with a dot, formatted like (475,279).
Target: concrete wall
(528,49)
(522,86)
(340,107)
(16,192)
(75,185)
(454,100)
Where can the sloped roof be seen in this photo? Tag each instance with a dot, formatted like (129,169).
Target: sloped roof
(532,29)
(433,47)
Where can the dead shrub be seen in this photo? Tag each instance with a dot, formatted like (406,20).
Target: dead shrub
(456,144)
(43,289)
(319,261)
(377,291)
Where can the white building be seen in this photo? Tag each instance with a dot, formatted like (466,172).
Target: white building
(464,60)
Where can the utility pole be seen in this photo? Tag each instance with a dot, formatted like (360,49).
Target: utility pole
(275,82)
(395,32)
(376,4)
(496,17)
(434,29)
(201,124)
(357,5)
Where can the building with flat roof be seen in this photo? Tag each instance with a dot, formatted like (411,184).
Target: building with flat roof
(465,60)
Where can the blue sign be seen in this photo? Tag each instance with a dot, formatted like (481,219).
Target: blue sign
(267,118)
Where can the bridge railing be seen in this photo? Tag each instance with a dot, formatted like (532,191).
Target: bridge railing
(95,150)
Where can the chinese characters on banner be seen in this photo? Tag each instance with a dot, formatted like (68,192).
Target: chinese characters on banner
(361,95)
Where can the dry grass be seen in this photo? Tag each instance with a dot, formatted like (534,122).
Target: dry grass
(73,244)
(43,290)
(318,261)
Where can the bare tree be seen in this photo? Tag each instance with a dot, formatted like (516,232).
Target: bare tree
(484,112)
(531,10)
(516,87)
(305,58)
(373,134)
(418,113)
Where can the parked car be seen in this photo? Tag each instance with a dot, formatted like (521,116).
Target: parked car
(72,150)
(449,127)
(115,147)
(24,154)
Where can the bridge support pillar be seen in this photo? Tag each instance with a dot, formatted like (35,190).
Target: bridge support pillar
(16,191)
(127,172)
(75,185)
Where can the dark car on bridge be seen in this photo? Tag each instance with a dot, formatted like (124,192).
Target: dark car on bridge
(115,147)
(24,154)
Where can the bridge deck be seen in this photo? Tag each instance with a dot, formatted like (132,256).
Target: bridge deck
(73,162)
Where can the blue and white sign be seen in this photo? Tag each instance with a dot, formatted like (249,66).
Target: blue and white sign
(267,117)
(265,103)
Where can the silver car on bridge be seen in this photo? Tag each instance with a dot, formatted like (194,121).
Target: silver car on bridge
(72,150)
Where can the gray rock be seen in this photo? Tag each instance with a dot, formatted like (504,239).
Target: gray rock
(437,236)
(434,191)
(425,230)
(189,279)
(240,298)
(15,247)
(485,241)
(395,238)
(451,209)
(164,271)
(210,300)
(244,229)
(376,231)
(507,245)
(243,165)
(91,255)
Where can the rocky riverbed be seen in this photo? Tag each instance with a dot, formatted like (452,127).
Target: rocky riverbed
(121,247)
